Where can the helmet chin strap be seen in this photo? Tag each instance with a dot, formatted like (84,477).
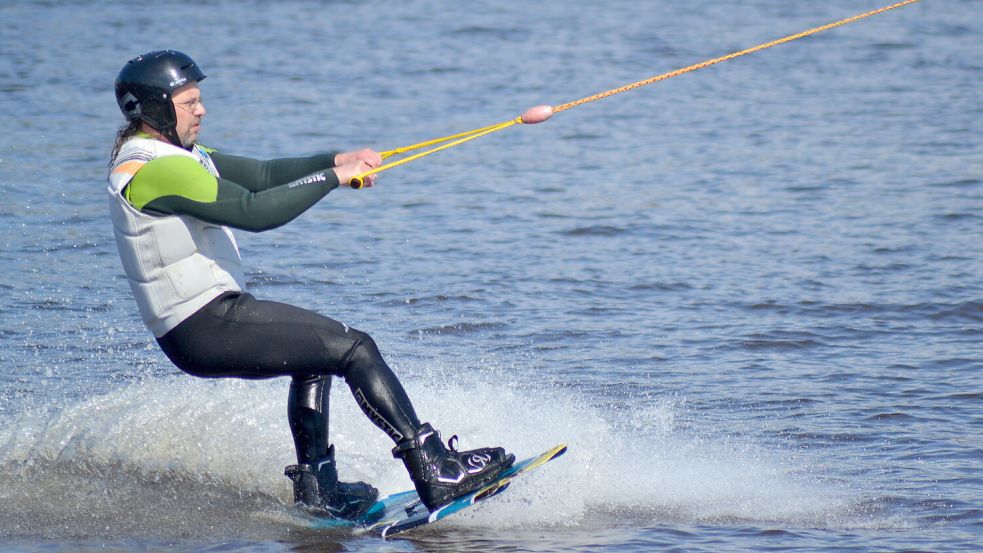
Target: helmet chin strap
(170,135)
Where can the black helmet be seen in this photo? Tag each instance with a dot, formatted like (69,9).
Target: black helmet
(145,84)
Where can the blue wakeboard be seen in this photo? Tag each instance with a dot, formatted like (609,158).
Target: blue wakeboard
(404,511)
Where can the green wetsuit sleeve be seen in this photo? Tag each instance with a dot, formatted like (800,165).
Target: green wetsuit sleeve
(258,175)
(177,185)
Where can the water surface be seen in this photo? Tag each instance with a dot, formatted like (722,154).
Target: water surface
(748,298)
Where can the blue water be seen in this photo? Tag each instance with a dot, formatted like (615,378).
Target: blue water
(748,298)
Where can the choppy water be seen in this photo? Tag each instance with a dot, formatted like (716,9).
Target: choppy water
(748,298)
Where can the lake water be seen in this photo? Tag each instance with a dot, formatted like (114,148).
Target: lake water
(748,298)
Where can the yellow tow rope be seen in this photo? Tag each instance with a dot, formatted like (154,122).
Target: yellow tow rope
(539,114)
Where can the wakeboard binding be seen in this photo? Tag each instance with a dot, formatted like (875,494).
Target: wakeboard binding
(441,473)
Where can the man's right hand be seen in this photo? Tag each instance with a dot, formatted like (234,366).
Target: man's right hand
(352,169)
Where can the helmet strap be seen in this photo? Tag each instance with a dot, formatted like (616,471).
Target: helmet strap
(171,135)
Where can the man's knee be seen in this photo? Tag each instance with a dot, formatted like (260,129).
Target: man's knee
(364,350)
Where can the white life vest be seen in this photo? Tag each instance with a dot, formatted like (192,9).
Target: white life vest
(175,263)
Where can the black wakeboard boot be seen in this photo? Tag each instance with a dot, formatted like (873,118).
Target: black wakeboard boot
(318,491)
(441,473)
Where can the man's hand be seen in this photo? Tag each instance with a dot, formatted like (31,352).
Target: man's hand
(350,170)
(351,164)
(366,155)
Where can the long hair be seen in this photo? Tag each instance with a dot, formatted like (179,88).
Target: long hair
(125,133)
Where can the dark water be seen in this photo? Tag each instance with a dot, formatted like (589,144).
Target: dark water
(748,298)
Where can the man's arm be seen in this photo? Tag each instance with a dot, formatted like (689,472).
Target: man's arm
(257,176)
(178,185)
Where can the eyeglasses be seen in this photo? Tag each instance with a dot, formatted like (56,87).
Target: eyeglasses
(191,105)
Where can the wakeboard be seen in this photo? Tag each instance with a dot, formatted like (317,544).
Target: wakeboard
(404,511)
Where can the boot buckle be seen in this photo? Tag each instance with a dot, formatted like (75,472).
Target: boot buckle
(293,471)
(415,442)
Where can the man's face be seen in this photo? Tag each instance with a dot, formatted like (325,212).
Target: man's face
(189,110)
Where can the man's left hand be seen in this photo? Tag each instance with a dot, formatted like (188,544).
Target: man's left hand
(365,155)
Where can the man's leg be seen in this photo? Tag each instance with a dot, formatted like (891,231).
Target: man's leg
(307,412)
(315,476)
(238,336)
